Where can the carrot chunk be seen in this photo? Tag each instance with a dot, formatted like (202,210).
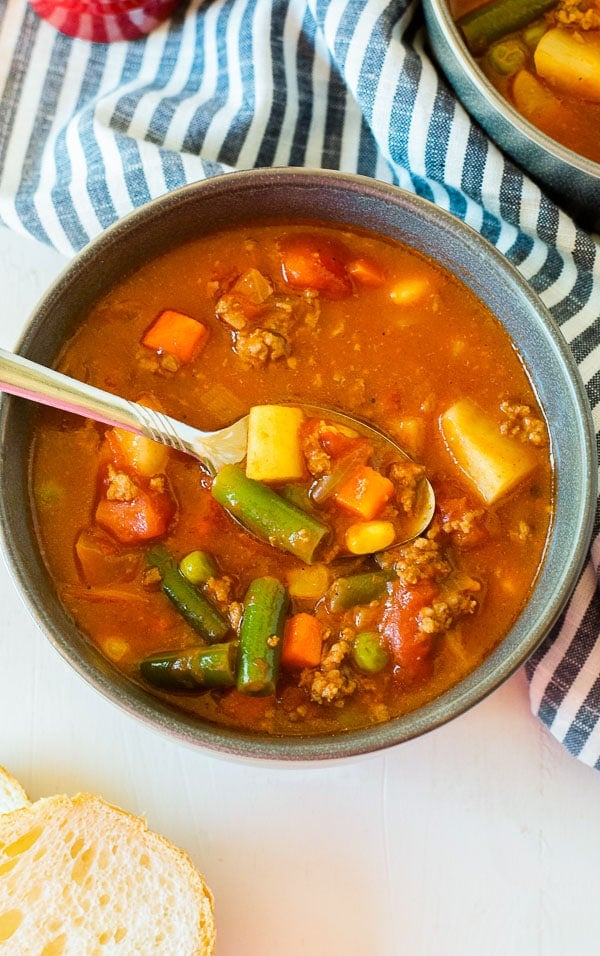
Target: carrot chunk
(302,641)
(365,492)
(177,334)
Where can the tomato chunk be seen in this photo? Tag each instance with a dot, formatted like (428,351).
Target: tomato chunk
(312,263)
(142,518)
(337,444)
(410,648)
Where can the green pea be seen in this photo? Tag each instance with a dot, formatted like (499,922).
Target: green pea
(508,56)
(369,655)
(198,567)
(533,33)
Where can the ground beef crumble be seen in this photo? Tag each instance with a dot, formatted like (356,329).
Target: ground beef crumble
(456,600)
(317,460)
(120,486)
(219,589)
(406,476)
(416,560)
(465,523)
(260,317)
(261,346)
(522,424)
(332,680)
(583,14)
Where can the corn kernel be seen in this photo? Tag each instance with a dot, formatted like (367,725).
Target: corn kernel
(367,537)
(115,648)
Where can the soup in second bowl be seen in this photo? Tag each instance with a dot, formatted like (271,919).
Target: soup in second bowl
(543,56)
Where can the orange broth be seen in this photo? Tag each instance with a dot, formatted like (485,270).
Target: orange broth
(372,328)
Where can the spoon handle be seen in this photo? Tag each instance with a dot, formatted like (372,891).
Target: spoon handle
(19,376)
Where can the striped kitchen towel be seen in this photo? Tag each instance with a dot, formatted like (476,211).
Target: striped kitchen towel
(90,131)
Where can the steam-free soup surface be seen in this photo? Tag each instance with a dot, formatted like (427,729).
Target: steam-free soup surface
(339,623)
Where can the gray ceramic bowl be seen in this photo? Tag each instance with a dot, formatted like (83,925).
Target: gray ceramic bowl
(572,180)
(182,215)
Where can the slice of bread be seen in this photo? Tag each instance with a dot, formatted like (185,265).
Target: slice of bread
(79,877)
(12,794)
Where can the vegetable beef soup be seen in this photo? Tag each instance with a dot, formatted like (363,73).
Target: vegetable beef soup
(295,593)
(543,56)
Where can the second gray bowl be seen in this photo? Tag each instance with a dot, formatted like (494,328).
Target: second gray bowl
(573,181)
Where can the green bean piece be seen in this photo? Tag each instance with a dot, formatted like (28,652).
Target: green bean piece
(507,57)
(368,654)
(198,567)
(495,20)
(297,495)
(261,637)
(191,668)
(356,589)
(193,606)
(267,515)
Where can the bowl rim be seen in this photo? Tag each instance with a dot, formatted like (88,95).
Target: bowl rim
(473,72)
(221,741)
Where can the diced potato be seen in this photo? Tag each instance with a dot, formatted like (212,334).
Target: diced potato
(254,286)
(493,462)
(570,62)
(410,435)
(144,455)
(410,290)
(308,582)
(536,102)
(274,452)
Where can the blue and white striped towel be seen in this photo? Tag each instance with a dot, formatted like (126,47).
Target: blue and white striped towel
(88,132)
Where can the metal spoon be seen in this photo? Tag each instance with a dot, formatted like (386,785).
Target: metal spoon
(22,377)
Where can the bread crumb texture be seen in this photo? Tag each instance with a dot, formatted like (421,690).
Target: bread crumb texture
(79,877)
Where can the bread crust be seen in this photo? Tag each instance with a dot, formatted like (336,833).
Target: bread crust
(78,875)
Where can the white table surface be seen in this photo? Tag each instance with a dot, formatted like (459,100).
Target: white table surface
(480,839)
